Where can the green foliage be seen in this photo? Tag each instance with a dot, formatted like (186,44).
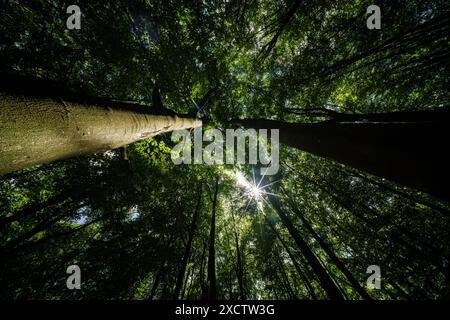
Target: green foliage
(126,223)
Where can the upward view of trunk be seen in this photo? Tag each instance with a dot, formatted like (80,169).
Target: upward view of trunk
(62,197)
(297,267)
(212,248)
(239,267)
(398,192)
(156,281)
(325,280)
(285,279)
(434,30)
(202,281)
(358,208)
(187,251)
(39,123)
(341,266)
(32,244)
(47,223)
(410,153)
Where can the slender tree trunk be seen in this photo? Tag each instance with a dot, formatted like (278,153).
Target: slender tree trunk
(43,126)
(396,191)
(239,267)
(400,290)
(156,281)
(336,279)
(191,283)
(203,285)
(402,42)
(355,284)
(34,208)
(187,250)
(412,154)
(212,249)
(283,22)
(47,223)
(28,245)
(285,279)
(296,265)
(185,283)
(327,283)
(351,205)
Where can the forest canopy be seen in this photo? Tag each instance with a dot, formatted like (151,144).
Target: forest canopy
(87,175)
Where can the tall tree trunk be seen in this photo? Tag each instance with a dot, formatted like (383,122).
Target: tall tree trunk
(74,194)
(39,126)
(191,283)
(188,275)
(327,283)
(411,154)
(45,224)
(296,265)
(437,115)
(285,279)
(283,22)
(239,267)
(212,249)
(355,284)
(187,250)
(29,245)
(400,290)
(203,284)
(398,192)
(431,30)
(353,206)
(156,281)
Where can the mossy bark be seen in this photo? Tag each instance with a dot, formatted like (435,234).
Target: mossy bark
(39,129)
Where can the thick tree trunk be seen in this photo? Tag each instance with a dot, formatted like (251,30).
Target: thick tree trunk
(437,115)
(43,126)
(212,249)
(187,251)
(412,154)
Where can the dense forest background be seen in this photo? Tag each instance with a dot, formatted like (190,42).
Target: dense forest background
(140,227)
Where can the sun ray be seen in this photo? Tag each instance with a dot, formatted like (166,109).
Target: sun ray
(269,184)
(260,181)
(272,194)
(254,191)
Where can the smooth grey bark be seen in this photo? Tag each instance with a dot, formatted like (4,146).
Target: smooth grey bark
(39,123)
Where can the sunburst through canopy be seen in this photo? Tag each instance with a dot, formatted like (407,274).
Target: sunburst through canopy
(253,190)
